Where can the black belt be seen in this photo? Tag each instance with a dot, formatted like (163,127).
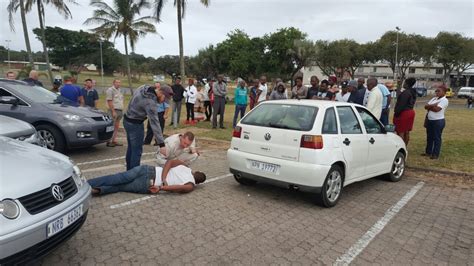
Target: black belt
(133,121)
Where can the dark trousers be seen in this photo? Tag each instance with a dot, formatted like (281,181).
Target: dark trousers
(189,111)
(434,130)
(219,108)
(135,134)
(135,180)
(384,116)
(208,109)
(149,131)
(238,109)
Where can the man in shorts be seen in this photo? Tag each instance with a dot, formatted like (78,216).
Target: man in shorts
(179,147)
(114,100)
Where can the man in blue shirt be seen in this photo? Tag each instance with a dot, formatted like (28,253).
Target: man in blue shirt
(91,97)
(71,92)
(385,104)
(240,100)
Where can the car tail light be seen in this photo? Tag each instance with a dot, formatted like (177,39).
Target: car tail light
(312,141)
(237,132)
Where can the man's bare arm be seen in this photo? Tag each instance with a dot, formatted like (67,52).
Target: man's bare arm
(168,165)
(179,188)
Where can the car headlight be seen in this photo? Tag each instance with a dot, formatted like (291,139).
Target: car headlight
(72,117)
(78,177)
(9,208)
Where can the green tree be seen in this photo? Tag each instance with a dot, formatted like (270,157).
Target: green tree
(62,9)
(453,52)
(13,7)
(181,10)
(121,20)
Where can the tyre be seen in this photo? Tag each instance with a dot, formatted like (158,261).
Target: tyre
(398,168)
(332,187)
(52,137)
(244,181)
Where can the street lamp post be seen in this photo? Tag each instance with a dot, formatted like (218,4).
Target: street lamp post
(396,58)
(101,64)
(8,52)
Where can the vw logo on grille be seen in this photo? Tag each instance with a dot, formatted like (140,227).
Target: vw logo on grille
(57,192)
(267,136)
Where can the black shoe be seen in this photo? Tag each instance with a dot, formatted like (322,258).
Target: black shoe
(222,127)
(434,157)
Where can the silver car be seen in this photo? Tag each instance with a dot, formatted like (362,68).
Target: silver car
(44,200)
(20,130)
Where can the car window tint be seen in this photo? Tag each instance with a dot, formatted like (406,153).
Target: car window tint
(348,120)
(372,126)
(4,92)
(286,116)
(330,123)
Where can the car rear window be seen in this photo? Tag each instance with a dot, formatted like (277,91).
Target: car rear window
(287,116)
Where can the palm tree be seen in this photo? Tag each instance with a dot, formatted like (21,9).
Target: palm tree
(121,20)
(62,8)
(180,8)
(12,8)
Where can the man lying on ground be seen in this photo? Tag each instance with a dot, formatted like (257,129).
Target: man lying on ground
(175,176)
(179,147)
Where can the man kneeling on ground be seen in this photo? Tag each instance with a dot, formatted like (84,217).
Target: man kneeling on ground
(175,176)
(179,147)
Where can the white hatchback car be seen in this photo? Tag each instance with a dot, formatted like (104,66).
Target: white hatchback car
(314,146)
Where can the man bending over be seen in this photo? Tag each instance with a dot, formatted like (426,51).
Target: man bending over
(179,147)
(175,176)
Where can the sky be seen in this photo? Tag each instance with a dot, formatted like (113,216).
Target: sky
(361,20)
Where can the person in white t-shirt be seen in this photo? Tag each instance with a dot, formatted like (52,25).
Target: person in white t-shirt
(262,90)
(175,176)
(435,122)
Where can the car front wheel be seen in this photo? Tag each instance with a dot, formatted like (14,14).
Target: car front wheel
(332,187)
(398,168)
(52,137)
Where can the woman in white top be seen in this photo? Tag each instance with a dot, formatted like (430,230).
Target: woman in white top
(190,95)
(435,122)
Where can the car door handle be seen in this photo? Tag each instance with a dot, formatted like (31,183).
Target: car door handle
(347,142)
(372,140)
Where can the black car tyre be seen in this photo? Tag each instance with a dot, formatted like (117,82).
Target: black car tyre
(332,187)
(244,181)
(53,138)
(398,168)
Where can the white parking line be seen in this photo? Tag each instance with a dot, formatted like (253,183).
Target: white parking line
(364,241)
(130,202)
(111,159)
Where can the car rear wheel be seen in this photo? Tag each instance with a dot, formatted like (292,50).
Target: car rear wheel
(398,168)
(332,187)
(244,181)
(52,137)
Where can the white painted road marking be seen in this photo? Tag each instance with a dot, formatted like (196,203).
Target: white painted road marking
(111,159)
(364,241)
(130,202)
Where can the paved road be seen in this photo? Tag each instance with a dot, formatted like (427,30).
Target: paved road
(222,222)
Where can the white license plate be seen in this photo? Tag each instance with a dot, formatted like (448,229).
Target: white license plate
(265,167)
(59,224)
(109,129)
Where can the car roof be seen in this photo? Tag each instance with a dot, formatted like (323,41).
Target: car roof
(309,102)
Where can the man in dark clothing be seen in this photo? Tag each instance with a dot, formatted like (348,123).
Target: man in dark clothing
(313,91)
(141,106)
(360,84)
(90,94)
(360,94)
(352,88)
(178,91)
(220,91)
(324,93)
(33,79)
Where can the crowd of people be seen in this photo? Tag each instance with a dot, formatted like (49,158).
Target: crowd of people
(206,100)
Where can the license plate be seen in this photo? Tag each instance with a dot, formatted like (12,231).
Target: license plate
(59,224)
(109,129)
(265,167)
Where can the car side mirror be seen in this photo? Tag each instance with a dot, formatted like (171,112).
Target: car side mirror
(9,100)
(390,128)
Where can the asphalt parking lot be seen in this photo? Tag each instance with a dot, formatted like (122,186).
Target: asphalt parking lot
(416,221)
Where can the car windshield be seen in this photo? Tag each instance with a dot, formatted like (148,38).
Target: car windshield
(38,94)
(286,116)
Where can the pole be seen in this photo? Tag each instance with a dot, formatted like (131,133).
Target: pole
(8,52)
(396,59)
(101,65)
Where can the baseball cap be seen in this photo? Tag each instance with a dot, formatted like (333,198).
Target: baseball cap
(344,84)
(167,91)
(67,77)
